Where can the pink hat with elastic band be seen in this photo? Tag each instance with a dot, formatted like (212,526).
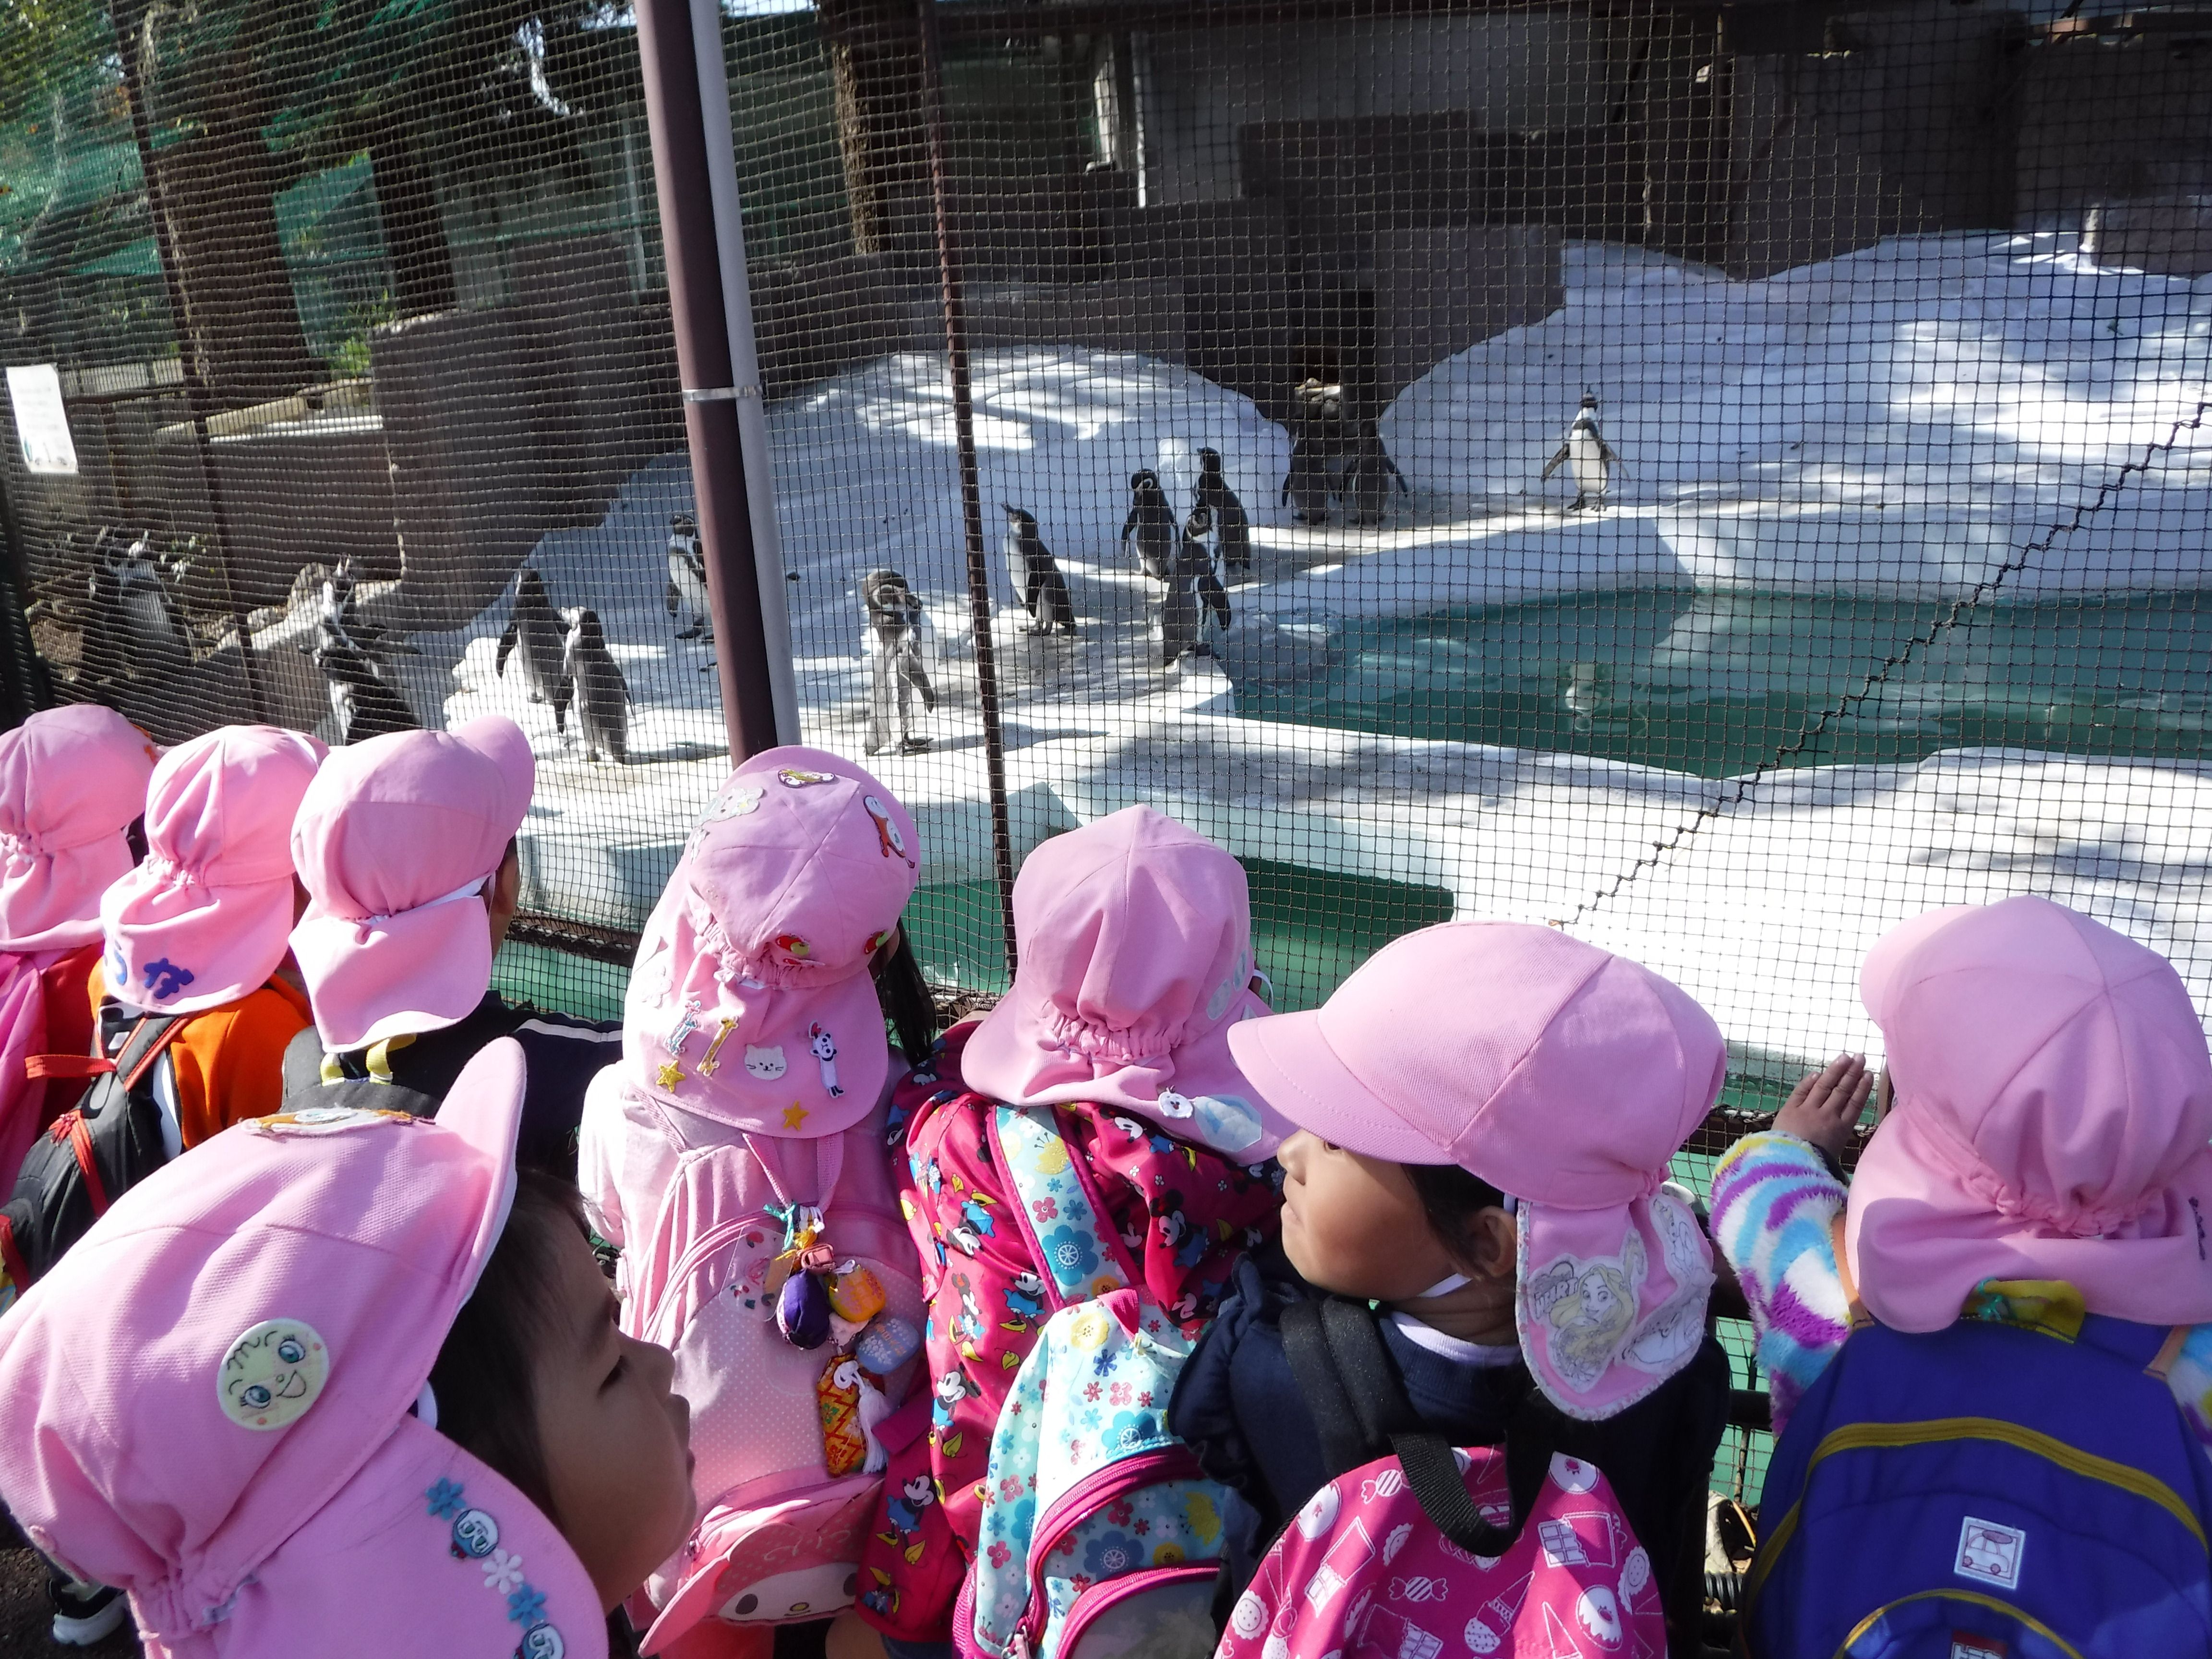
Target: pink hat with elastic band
(208,916)
(1558,1072)
(71,782)
(2054,1101)
(752,1002)
(1136,961)
(395,842)
(207,1401)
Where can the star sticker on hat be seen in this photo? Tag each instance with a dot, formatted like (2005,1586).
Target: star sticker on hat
(793,1115)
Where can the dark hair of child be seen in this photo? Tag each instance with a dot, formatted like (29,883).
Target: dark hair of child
(484,1377)
(907,1002)
(1451,1197)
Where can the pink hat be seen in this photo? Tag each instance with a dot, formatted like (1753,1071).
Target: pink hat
(752,1002)
(395,841)
(208,916)
(71,781)
(1560,1074)
(1136,960)
(206,1401)
(2054,1101)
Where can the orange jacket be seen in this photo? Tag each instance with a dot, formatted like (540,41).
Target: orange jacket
(229,1061)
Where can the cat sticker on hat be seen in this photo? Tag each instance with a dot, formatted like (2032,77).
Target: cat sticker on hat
(272,1374)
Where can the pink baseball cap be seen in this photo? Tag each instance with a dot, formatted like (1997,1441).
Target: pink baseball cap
(2054,1101)
(752,1002)
(208,916)
(1136,960)
(71,782)
(207,1401)
(395,842)
(1561,1074)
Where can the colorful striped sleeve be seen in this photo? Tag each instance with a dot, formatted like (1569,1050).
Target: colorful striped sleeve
(1774,1206)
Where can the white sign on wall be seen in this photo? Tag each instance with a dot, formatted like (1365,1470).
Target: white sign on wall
(34,392)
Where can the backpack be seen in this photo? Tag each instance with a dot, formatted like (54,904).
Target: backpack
(789,1459)
(92,1154)
(2033,1484)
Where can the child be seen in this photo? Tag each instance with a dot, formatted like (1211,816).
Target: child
(335,1383)
(72,781)
(1461,1064)
(202,928)
(2044,1176)
(1136,964)
(406,846)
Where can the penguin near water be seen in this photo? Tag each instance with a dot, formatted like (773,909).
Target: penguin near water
(536,639)
(1212,493)
(1036,575)
(687,578)
(1152,522)
(1195,563)
(1592,459)
(601,693)
(895,614)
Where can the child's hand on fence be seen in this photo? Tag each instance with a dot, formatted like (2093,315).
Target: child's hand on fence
(1826,1104)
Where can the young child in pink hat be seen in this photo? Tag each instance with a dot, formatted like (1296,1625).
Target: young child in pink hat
(336,1382)
(406,847)
(1136,964)
(72,781)
(1486,1112)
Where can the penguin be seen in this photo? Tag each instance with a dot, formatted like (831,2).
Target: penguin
(1368,480)
(1195,563)
(687,577)
(1593,459)
(602,694)
(1306,485)
(340,611)
(894,616)
(141,633)
(536,628)
(1037,576)
(1212,493)
(361,704)
(1151,520)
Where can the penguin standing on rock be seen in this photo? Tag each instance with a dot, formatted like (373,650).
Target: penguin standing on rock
(602,694)
(687,578)
(1593,459)
(1212,493)
(1369,478)
(894,615)
(1195,563)
(361,704)
(1306,485)
(535,634)
(1152,522)
(1036,575)
(140,635)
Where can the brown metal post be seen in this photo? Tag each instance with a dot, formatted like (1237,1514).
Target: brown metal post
(198,401)
(971,488)
(702,359)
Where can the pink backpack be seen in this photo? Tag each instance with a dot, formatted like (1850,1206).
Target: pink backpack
(1363,1573)
(789,1464)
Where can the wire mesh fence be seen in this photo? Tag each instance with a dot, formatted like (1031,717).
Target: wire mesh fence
(1716,479)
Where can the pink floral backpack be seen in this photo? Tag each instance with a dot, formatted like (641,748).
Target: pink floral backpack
(1364,1573)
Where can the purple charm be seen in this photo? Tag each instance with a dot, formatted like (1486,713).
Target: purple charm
(802,1311)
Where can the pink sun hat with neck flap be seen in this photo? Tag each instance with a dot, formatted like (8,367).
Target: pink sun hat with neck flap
(2054,1101)
(218,1402)
(1562,1075)
(396,842)
(752,1002)
(71,782)
(206,917)
(1136,963)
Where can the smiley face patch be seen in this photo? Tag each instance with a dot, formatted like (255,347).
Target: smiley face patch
(272,1374)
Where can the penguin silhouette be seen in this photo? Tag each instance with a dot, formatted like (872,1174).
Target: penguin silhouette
(135,631)
(1036,575)
(534,631)
(687,578)
(1369,478)
(1593,460)
(602,694)
(1152,522)
(895,616)
(1194,562)
(1212,493)
(1306,485)
(361,704)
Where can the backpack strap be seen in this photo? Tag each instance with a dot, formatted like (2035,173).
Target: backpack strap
(1086,1258)
(2169,1351)
(143,1046)
(1344,1442)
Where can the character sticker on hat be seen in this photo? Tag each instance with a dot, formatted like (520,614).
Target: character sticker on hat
(474,1537)
(825,1050)
(1227,1123)
(327,1120)
(792,777)
(767,1063)
(887,833)
(708,1064)
(272,1374)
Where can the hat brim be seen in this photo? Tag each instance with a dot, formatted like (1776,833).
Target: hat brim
(419,971)
(227,939)
(1291,1065)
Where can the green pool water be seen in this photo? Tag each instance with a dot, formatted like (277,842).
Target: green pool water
(1716,683)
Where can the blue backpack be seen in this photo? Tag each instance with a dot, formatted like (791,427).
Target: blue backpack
(1986,1491)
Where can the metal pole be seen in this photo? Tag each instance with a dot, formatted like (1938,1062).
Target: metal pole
(198,401)
(971,489)
(683,183)
(25,686)
(745,363)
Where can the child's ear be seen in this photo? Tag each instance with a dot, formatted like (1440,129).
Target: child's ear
(1496,1237)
